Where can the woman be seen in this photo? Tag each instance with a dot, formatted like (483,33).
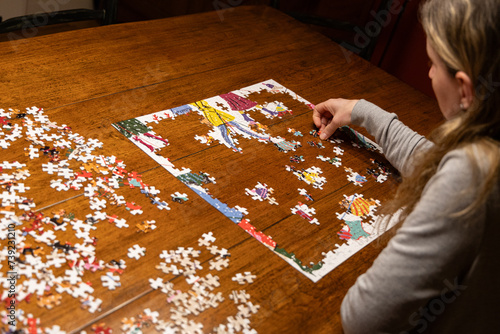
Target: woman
(439,272)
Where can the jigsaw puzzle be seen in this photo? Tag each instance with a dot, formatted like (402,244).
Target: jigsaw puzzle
(241,125)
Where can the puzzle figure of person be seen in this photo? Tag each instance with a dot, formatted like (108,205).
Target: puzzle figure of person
(273,109)
(137,131)
(358,206)
(236,102)
(352,230)
(226,124)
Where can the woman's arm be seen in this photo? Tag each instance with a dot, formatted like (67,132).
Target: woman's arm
(397,140)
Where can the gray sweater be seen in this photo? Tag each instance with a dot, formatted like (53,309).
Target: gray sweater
(437,274)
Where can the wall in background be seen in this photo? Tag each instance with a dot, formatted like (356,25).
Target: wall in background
(402,53)
(134,10)
(13,8)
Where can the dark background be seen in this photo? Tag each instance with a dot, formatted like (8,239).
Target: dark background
(393,41)
(399,48)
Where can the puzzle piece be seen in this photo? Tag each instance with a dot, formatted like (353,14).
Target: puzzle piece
(304,193)
(305,212)
(295,132)
(239,297)
(166,327)
(309,175)
(358,206)
(101,328)
(244,211)
(134,208)
(354,177)
(50,168)
(284,145)
(206,240)
(337,162)
(247,277)
(136,252)
(193,327)
(219,263)
(316,144)
(156,283)
(297,159)
(54,330)
(338,151)
(179,198)
(21,174)
(161,205)
(59,185)
(110,281)
(146,226)
(49,301)
(380,173)
(97,204)
(210,282)
(238,322)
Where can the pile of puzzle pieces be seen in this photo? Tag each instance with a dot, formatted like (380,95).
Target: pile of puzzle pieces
(202,294)
(46,265)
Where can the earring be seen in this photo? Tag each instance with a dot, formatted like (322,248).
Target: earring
(462,107)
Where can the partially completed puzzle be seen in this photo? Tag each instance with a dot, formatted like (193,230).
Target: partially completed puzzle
(239,129)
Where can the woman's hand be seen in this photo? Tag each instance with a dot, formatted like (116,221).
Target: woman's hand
(328,116)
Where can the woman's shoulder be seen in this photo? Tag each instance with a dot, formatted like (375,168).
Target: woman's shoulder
(472,169)
(479,157)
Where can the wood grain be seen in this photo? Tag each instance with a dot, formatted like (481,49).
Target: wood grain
(94,77)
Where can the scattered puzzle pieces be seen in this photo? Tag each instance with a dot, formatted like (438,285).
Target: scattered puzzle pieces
(179,198)
(262,192)
(304,193)
(309,175)
(305,212)
(354,177)
(337,162)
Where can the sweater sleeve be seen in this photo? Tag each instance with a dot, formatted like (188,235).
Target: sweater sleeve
(427,256)
(397,140)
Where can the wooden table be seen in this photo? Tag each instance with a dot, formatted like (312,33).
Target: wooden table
(91,78)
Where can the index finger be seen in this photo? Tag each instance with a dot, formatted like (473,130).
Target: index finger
(321,115)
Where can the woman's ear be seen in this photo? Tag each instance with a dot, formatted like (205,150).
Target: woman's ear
(466,89)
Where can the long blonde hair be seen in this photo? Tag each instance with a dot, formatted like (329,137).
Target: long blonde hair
(466,36)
